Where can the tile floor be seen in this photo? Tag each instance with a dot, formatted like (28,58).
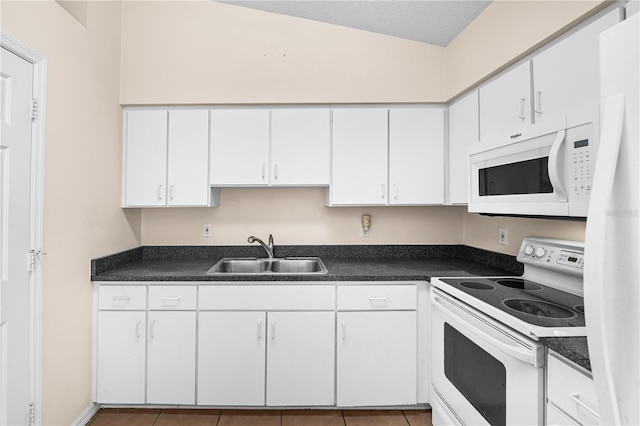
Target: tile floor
(196,417)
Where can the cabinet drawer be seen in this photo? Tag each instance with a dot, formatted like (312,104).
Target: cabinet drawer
(267,297)
(377,297)
(572,391)
(172,297)
(120,297)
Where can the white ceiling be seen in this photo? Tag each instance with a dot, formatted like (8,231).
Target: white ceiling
(429,21)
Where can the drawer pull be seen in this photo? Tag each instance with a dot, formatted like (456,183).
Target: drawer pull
(123,298)
(576,398)
(378,299)
(172,298)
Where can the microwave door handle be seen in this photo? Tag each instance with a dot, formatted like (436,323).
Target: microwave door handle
(554,172)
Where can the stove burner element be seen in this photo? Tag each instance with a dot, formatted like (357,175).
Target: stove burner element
(519,283)
(539,309)
(477,285)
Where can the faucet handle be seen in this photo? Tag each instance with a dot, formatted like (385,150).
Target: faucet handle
(271,240)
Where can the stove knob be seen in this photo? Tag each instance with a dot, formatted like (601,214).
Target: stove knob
(540,252)
(528,250)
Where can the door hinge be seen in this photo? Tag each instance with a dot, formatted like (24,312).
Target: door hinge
(32,414)
(33,255)
(34,114)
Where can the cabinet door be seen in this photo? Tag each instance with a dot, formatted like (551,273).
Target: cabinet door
(171,360)
(463,131)
(120,368)
(416,156)
(231,358)
(188,176)
(359,173)
(239,147)
(566,75)
(376,353)
(505,103)
(145,158)
(300,146)
(300,358)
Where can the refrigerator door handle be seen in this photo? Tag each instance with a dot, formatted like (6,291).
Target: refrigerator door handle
(595,274)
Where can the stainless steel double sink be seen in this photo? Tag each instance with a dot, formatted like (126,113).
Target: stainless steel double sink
(269,266)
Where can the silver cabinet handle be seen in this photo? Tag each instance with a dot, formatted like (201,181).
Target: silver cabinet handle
(522,116)
(273,330)
(172,297)
(259,329)
(160,191)
(171,191)
(576,398)
(378,298)
(152,328)
(537,107)
(382,190)
(344,331)
(122,298)
(138,323)
(275,171)
(263,170)
(395,190)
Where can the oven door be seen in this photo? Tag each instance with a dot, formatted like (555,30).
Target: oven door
(483,373)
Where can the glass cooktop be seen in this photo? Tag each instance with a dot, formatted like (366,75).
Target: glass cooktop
(526,300)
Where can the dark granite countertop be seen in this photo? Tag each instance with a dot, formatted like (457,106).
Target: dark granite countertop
(573,348)
(345,263)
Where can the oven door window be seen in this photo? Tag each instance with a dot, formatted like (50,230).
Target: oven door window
(522,177)
(477,375)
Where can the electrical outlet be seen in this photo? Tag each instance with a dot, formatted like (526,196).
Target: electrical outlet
(206,230)
(502,237)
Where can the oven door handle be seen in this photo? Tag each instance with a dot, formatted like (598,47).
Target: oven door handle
(488,330)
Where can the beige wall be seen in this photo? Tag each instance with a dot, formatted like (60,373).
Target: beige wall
(297,217)
(82,184)
(203,52)
(506,31)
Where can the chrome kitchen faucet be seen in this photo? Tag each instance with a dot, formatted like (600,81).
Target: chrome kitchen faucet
(268,248)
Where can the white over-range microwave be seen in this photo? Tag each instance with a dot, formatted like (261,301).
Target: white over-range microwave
(544,170)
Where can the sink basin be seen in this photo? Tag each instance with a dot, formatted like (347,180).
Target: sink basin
(265,266)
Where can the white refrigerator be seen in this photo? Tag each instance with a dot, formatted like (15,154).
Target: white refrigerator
(612,253)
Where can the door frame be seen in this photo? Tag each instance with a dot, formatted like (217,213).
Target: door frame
(39,62)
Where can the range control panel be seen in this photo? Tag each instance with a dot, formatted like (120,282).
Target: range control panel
(567,256)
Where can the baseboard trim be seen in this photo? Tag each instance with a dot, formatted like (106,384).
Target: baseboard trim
(86,415)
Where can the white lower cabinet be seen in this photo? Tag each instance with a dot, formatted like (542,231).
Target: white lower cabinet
(377,345)
(231,358)
(571,394)
(171,358)
(300,358)
(251,344)
(120,367)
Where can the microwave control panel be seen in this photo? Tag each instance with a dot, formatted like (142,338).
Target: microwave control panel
(582,167)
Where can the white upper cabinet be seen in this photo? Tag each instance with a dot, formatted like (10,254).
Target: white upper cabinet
(463,131)
(145,158)
(388,157)
(166,158)
(416,156)
(566,75)
(300,146)
(279,147)
(240,147)
(505,103)
(359,174)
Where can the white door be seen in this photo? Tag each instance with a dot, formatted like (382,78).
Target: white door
(300,141)
(188,175)
(240,147)
(376,353)
(16,376)
(121,357)
(171,358)
(505,103)
(360,141)
(416,156)
(231,358)
(300,358)
(146,158)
